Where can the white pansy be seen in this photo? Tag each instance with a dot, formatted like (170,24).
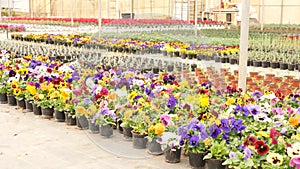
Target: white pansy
(262,117)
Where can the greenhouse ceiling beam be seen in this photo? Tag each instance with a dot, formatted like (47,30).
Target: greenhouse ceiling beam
(244,45)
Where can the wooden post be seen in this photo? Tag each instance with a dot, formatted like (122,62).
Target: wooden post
(244,45)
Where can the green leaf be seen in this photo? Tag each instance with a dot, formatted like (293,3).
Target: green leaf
(249,162)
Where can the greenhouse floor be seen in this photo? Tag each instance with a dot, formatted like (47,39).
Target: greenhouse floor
(30,142)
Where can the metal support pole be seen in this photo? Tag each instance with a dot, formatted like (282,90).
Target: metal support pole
(61,8)
(262,15)
(151,8)
(170,8)
(281,13)
(119,9)
(131,9)
(188,10)
(244,45)
(8,8)
(0,10)
(108,8)
(202,9)
(137,7)
(196,16)
(181,16)
(72,17)
(99,18)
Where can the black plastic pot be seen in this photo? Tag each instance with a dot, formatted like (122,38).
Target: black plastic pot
(274,65)
(250,63)
(217,59)
(291,67)
(82,122)
(21,104)
(59,115)
(283,66)
(127,133)
(196,159)
(93,127)
(257,63)
(106,131)
(265,64)
(215,164)
(11,100)
(154,148)
(29,106)
(36,109)
(3,98)
(47,113)
(139,141)
(173,156)
(71,121)
(233,61)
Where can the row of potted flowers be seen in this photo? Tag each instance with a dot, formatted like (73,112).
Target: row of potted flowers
(12,28)
(240,129)
(223,54)
(125,21)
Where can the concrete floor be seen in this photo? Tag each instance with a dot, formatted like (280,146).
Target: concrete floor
(30,142)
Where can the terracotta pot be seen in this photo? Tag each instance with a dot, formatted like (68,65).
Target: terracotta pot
(266,82)
(259,77)
(270,76)
(253,74)
(236,72)
(277,79)
(295,83)
(248,80)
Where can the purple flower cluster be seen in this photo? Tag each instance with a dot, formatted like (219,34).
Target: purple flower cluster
(169,79)
(172,103)
(192,133)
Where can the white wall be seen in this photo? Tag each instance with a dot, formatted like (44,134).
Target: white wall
(18,5)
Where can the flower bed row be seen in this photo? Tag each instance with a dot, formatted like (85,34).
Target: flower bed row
(241,129)
(12,28)
(113,21)
(223,54)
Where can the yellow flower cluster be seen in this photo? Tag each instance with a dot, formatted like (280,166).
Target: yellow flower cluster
(158,129)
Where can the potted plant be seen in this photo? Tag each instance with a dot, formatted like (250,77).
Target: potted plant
(105,118)
(70,116)
(217,153)
(170,145)
(194,139)
(59,107)
(3,93)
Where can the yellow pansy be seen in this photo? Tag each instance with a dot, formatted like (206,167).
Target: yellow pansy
(262,134)
(64,95)
(14,84)
(17,91)
(184,83)
(31,89)
(41,96)
(54,94)
(151,129)
(159,128)
(230,101)
(6,63)
(206,142)
(132,95)
(177,95)
(204,101)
